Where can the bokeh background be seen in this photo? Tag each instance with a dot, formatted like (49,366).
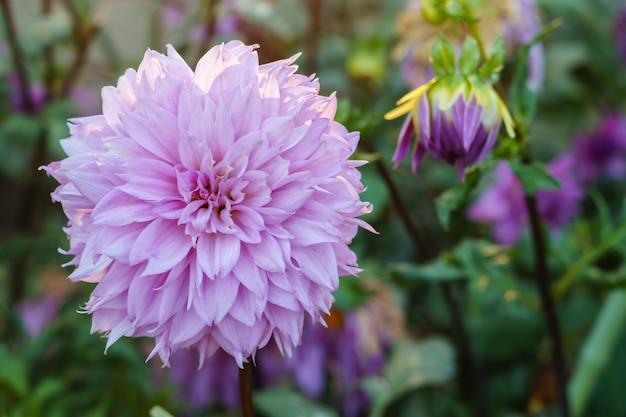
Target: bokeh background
(410,336)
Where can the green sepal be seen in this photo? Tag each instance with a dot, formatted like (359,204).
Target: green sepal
(495,62)
(534,177)
(442,55)
(470,56)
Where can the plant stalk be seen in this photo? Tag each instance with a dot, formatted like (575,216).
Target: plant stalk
(245,389)
(547,302)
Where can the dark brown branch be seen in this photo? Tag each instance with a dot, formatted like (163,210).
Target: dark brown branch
(547,302)
(17,56)
(83,35)
(245,389)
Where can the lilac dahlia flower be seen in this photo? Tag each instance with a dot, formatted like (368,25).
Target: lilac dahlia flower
(213,208)
(458,123)
(503,204)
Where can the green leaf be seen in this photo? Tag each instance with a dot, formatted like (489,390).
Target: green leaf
(442,54)
(158,411)
(285,402)
(534,177)
(495,61)
(470,56)
(13,372)
(437,270)
(455,197)
(350,293)
(412,365)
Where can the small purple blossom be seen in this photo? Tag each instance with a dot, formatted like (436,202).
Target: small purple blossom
(36,91)
(503,204)
(213,208)
(37,313)
(602,152)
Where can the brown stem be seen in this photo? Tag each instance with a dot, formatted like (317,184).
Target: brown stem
(48,56)
(426,249)
(245,389)
(17,56)
(547,301)
(313,35)
(83,35)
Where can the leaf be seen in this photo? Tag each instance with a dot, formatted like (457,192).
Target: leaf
(158,411)
(437,270)
(13,373)
(470,56)
(455,197)
(443,55)
(350,293)
(412,365)
(495,61)
(285,402)
(534,177)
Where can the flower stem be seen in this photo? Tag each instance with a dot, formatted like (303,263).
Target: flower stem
(547,301)
(245,389)
(17,56)
(597,350)
(428,251)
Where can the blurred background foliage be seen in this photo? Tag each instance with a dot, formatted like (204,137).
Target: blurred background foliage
(443,322)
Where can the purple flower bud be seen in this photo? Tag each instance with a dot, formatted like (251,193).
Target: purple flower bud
(456,120)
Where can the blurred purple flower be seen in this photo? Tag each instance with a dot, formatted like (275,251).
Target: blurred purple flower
(602,152)
(213,208)
(351,348)
(37,313)
(503,204)
(215,383)
(37,95)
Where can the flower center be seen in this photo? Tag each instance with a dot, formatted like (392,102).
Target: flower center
(211,196)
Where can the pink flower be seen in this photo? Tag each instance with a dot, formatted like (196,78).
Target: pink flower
(213,208)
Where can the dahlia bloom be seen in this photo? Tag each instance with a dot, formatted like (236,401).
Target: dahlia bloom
(503,204)
(213,208)
(455,119)
(517,20)
(602,152)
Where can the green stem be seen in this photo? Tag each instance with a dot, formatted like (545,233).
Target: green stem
(245,389)
(597,350)
(573,271)
(547,301)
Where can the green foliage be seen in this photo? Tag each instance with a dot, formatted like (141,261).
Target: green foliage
(443,57)
(285,402)
(412,366)
(534,177)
